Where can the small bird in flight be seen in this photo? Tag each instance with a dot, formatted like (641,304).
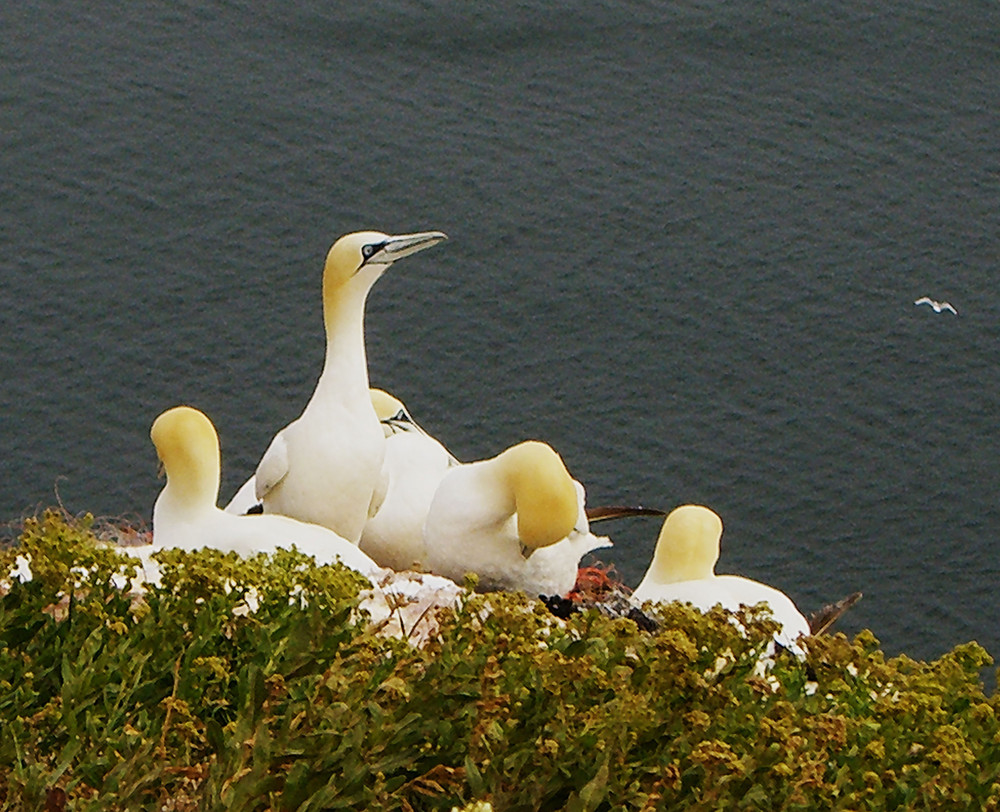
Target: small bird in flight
(938,306)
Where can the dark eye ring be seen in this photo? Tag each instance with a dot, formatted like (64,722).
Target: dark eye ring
(367,251)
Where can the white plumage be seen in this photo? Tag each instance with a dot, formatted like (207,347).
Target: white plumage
(186,516)
(326,466)
(936,306)
(683,570)
(415,463)
(245,499)
(516,520)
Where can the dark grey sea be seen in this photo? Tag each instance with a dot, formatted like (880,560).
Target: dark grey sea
(686,242)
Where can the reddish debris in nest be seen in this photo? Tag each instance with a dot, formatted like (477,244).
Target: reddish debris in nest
(600,588)
(595,583)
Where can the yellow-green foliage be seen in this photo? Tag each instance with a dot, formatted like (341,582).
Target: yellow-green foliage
(188,700)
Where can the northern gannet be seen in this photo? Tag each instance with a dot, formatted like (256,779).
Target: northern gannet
(186,516)
(407,446)
(326,466)
(415,463)
(683,570)
(937,306)
(516,520)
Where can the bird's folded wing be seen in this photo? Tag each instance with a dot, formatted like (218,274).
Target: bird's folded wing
(273,466)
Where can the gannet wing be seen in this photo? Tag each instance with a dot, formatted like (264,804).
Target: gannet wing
(924,300)
(947,306)
(273,466)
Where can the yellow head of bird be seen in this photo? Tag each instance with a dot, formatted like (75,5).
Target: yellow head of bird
(688,546)
(545,498)
(386,406)
(188,446)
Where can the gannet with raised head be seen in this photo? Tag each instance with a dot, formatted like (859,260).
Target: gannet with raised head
(326,466)
(415,463)
(186,515)
(516,520)
(683,570)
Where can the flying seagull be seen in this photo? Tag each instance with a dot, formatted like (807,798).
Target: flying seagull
(938,306)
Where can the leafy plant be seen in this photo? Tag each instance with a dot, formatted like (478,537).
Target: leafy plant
(257,685)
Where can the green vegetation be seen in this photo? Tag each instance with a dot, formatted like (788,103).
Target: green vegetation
(185,699)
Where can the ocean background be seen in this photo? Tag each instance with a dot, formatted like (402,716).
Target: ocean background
(685,243)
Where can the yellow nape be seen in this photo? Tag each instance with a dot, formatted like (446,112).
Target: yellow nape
(386,406)
(688,546)
(188,446)
(544,495)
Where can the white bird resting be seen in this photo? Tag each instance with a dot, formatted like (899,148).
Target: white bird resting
(326,466)
(683,570)
(938,307)
(415,463)
(517,521)
(186,515)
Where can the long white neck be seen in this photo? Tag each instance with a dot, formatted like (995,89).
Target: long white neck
(493,502)
(192,489)
(345,371)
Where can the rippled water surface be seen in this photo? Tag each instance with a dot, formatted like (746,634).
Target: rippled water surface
(686,240)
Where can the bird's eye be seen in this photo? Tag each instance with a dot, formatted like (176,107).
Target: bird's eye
(367,251)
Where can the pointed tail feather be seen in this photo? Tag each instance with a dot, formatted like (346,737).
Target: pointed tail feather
(821,620)
(605,512)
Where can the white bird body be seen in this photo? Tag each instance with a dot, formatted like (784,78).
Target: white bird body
(935,305)
(326,466)
(683,570)
(517,521)
(731,592)
(249,535)
(186,516)
(332,445)
(414,465)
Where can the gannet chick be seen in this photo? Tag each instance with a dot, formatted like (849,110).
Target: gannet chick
(683,570)
(415,463)
(936,306)
(516,520)
(185,514)
(326,466)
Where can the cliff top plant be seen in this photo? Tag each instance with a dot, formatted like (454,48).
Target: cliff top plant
(253,685)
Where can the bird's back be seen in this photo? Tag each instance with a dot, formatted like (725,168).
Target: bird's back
(250,535)
(731,592)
